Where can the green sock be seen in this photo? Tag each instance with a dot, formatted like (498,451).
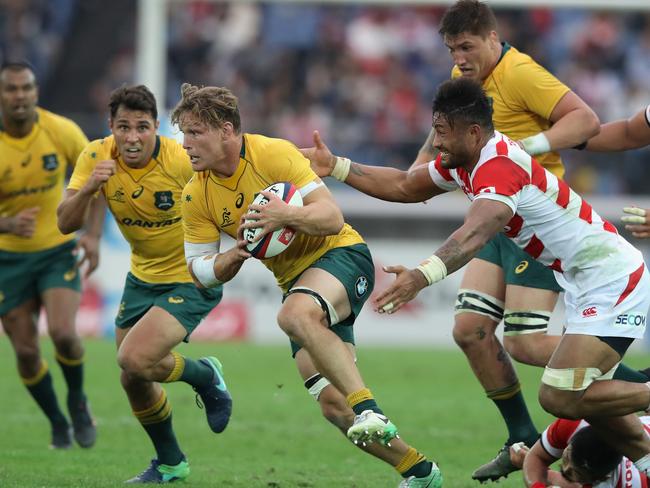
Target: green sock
(196,374)
(157,422)
(164,441)
(420,470)
(73,372)
(43,393)
(626,373)
(367,405)
(512,406)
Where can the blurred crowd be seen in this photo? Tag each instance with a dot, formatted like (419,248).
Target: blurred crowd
(35,30)
(365,75)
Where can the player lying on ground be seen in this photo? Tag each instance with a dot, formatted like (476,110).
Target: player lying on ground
(586,459)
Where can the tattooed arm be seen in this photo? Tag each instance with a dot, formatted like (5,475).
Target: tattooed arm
(483,220)
(385,183)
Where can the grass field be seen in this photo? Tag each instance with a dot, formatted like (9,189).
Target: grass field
(276,437)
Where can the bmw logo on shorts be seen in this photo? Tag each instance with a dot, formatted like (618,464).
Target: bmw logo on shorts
(361,286)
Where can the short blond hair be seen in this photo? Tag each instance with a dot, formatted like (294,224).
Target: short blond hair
(212,105)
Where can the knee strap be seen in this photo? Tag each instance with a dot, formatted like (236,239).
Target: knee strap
(330,312)
(575,379)
(316,384)
(473,301)
(518,322)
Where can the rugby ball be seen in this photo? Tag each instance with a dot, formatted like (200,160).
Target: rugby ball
(273,243)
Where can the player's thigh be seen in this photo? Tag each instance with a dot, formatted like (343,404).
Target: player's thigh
(485,277)
(479,304)
(61,306)
(152,337)
(344,277)
(182,301)
(526,315)
(20,325)
(18,280)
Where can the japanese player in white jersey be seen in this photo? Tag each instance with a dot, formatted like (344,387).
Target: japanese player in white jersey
(586,459)
(604,277)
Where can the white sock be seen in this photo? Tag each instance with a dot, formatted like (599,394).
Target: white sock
(643,464)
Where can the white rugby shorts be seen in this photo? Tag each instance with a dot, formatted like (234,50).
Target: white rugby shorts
(616,309)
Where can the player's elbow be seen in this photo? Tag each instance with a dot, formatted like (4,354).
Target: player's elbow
(590,124)
(197,283)
(336,223)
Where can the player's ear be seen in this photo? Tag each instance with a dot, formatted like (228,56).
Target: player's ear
(227,129)
(157,124)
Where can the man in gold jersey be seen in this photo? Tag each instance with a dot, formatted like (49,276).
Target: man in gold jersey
(38,267)
(326,274)
(141,176)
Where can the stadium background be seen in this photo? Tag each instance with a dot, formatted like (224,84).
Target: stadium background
(362,73)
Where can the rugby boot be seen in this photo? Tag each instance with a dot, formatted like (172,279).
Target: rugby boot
(369,427)
(433,480)
(162,473)
(61,436)
(215,397)
(499,467)
(85,431)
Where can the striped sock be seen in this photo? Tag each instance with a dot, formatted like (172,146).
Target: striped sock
(157,422)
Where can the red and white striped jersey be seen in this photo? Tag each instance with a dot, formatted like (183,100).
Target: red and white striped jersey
(551,222)
(556,438)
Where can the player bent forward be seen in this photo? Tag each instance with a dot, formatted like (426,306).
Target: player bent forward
(604,277)
(326,274)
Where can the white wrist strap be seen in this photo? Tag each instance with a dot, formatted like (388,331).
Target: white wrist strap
(537,144)
(203,269)
(341,168)
(433,269)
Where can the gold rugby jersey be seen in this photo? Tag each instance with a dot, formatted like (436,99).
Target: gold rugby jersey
(524,95)
(212,205)
(146,205)
(32,174)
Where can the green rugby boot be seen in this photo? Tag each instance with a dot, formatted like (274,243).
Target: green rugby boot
(369,427)
(162,473)
(434,480)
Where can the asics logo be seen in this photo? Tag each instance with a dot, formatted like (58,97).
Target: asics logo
(176,300)
(521,267)
(589,312)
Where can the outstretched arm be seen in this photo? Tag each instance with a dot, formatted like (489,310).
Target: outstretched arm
(623,135)
(484,219)
(385,183)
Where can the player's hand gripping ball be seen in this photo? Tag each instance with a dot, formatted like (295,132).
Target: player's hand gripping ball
(275,242)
